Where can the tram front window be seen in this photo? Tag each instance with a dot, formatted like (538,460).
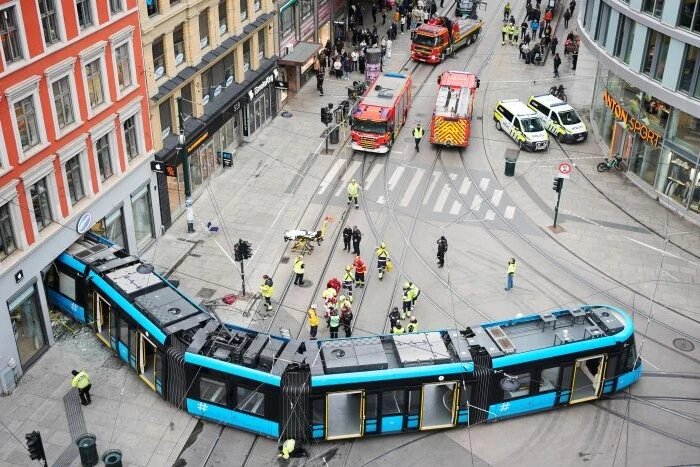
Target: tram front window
(369,126)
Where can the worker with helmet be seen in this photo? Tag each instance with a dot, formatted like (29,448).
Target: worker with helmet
(353,192)
(266,290)
(313,321)
(382,258)
(394,317)
(360,270)
(344,302)
(412,325)
(407,300)
(415,293)
(298,270)
(348,280)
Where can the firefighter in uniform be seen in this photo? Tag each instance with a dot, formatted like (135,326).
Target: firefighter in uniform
(382,258)
(348,280)
(353,193)
(266,290)
(412,325)
(360,270)
(417,135)
(407,299)
(313,322)
(299,270)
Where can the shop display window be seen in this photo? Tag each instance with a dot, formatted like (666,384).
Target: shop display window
(111,227)
(676,179)
(644,161)
(143,218)
(27,325)
(690,62)
(176,190)
(694,191)
(684,131)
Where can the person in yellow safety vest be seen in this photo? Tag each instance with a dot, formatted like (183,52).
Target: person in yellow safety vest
(415,293)
(353,192)
(407,299)
(504,32)
(266,290)
(398,329)
(299,270)
(313,322)
(382,258)
(344,302)
(506,11)
(348,280)
(81,381)
(417,135)
(334,322)
(511,273)
(412,325)
(514,34)
(290,449)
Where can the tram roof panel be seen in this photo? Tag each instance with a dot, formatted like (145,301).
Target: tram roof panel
(165,306)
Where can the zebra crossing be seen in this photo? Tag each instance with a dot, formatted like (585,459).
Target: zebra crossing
(479,195)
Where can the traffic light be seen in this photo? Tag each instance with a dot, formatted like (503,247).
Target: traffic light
(35,446)
(558,184)
(327,114)
(246,250)
(237,252)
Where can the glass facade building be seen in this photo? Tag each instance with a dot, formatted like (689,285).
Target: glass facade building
(646,103)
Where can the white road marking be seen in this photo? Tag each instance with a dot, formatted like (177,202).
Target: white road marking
(476,203)
(373,174)
(395,177)
(670,275)
(431,188)
(453,177)
(662,251)
(456,208)
(347,176)
(330,176)
(490,215)
(466,184)
(381,200)
(650,363)
(442,198)
(510,212)
(412,187)
(484,183)
(496,197)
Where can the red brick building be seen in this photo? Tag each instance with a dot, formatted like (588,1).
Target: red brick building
(75,144)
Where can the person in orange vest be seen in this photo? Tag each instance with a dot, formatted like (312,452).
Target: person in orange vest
(360,270)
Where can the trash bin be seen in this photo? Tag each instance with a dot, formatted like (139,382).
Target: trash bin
(88,450)
(335,135)
(112,458)
(510,168)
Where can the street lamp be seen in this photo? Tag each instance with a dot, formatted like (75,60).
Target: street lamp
(185,168)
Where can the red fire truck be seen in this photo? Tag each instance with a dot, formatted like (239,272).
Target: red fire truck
(381,113)
(440,37)
(451,122)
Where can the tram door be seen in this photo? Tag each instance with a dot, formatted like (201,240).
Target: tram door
(101,316)
(148,356)
(345,414)
(588,379)
(439,405)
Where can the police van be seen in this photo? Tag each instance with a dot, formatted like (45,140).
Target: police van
(559,118)
(522,124)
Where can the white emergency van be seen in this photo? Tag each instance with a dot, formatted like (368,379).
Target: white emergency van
(522,124)
(559,118)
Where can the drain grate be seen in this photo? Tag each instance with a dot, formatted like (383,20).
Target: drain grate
(683,344)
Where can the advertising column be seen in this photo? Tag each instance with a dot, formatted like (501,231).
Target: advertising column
(373,64)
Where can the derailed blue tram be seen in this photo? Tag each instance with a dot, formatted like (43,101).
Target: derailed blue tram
(340,388)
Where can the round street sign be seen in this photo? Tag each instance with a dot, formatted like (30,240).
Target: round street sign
(565,169)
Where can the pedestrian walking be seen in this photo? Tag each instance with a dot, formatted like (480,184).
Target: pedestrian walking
(374,13)
(81,381)
(360,270)
(353,192)
(266,290)
(320,76)
(513,34)
(356,238)
(383,16)
(348,280)
(406,299)
(572,6)
(553,45)
(382,259)
(506,12)
(509,34)
(299,270)
(557,62)
(442,3)
(504,32)
(354,55)
(441,250)
(334,323)
(574,59)
(523,30)
(511,273)
(397,328)
(347,238)
(394,317)
(535,26)
(412,325)
(313,322)
(346,320)
(417,135)
(415,293)
(567,17)
(548,17)
(402,22)
(347,67)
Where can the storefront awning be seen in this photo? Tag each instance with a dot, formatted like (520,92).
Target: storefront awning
(301,54)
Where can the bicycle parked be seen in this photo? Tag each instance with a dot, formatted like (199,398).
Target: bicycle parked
(558,92)
(615,162)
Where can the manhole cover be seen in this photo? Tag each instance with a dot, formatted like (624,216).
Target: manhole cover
(205,292)
(113,363)
(286,114)
(683,344)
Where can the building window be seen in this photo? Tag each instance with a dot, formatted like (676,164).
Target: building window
(228,62)
(143,220)
(624,30)
(115,6)
(158,53)
(152,7)
(257,5)
(661,57)
(690,65)
(165,118)
(122,56)
(689,15)
(27,325)
(261,44)
(653,7)
(655,58)
(287,21)
(244,9)
(25,113)
(49,23)
(601,29)
(40,201)
(223,16)
(75,182)
(104,157)
(9,35)
(306,9)
(179,43)
(131,137)
(111,227)
(246,56)
(63,102)
(186,94)
(629,45)
(84,8)
(204,28)
(93,79)
(7,237)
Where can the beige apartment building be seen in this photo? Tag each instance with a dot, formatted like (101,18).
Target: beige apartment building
(219,57)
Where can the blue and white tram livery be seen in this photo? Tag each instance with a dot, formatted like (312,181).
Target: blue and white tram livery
(340,388)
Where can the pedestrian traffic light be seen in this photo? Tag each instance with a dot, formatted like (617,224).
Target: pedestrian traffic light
(35,446)
(324,113)
(558,184)
(237,252)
